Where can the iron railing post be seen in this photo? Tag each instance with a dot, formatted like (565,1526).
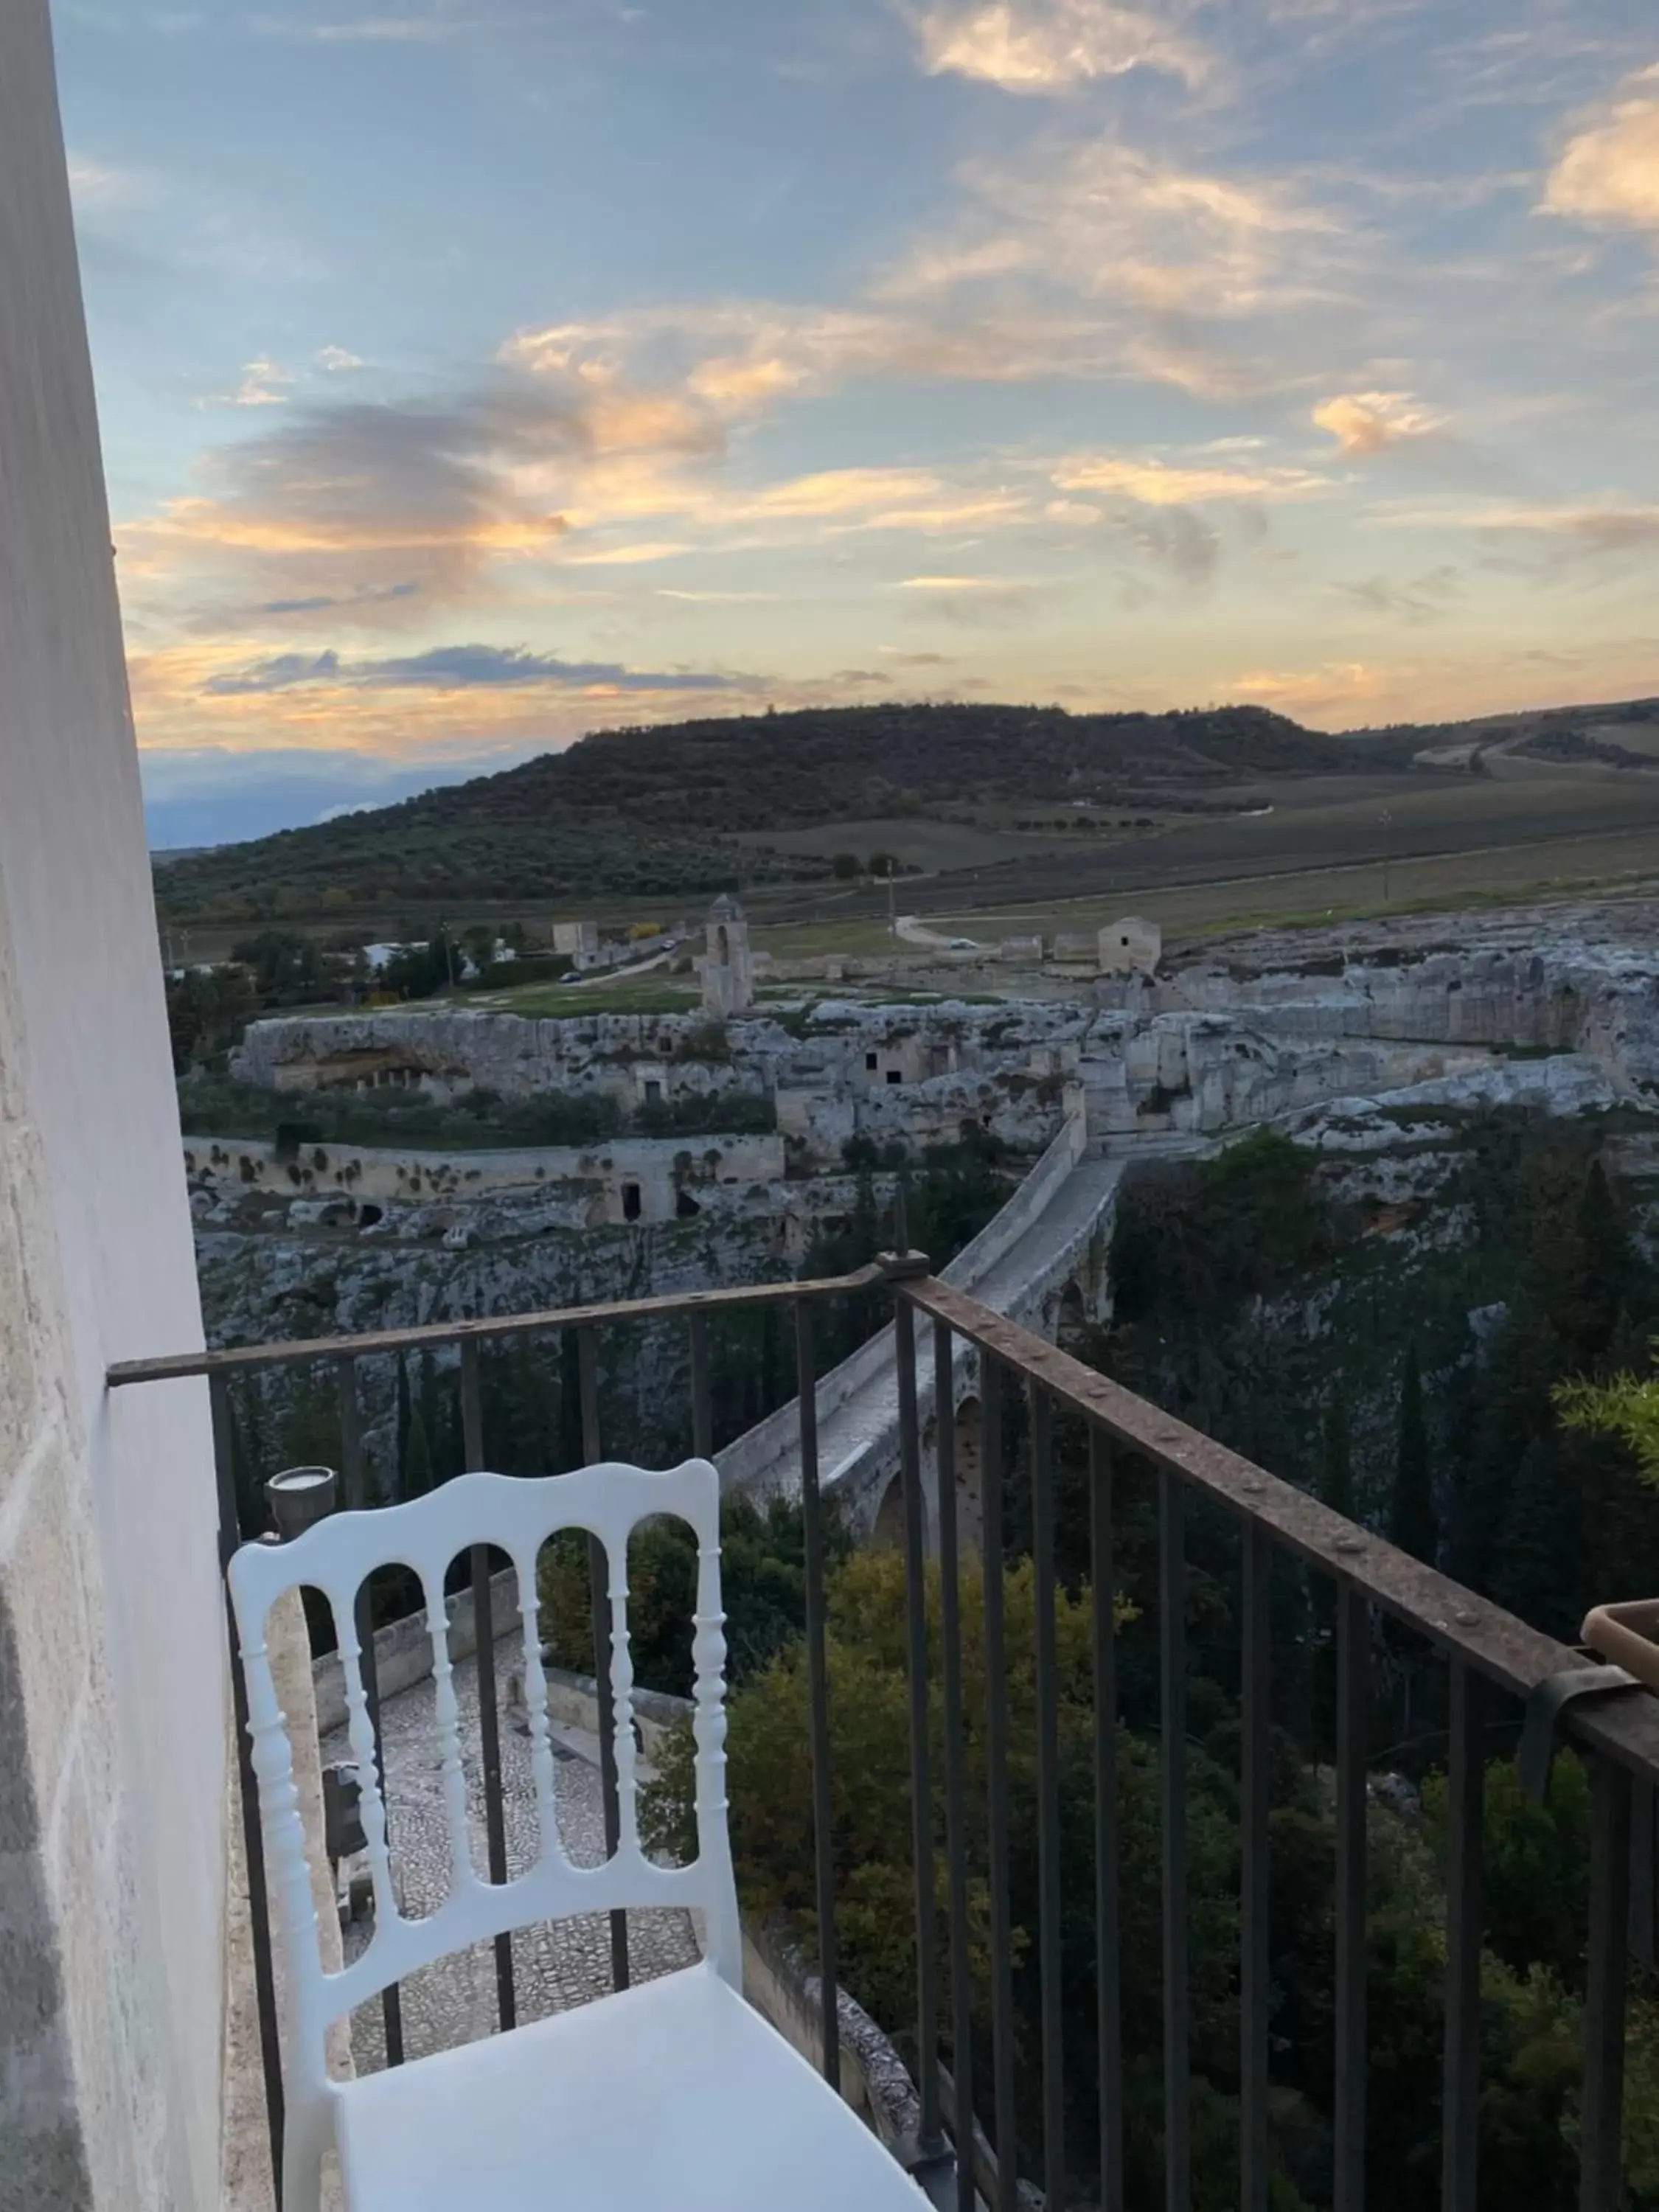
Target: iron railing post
(1352,1722)
(817,1673)
(1602,2128)
(956,1809)
(588,1366)
(354,1489)
(1255,1787)
(489,1721)
(996,1767)
(1177,1998)
(1108,1961)
(931,2143)
(1050,1947)
(1460,2139)
(253,1842)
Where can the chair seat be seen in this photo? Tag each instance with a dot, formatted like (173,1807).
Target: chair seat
(674,2096)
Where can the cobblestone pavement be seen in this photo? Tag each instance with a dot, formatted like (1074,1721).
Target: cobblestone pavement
(556,1964)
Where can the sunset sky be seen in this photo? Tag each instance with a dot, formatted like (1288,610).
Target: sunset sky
(473,376)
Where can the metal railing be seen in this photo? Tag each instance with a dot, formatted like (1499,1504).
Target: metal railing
(1490,1655)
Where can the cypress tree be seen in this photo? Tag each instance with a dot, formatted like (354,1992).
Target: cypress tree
(1411,1518)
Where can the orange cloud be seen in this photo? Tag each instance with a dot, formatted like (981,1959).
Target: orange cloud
(1609,171)
(1364,422)
(1051,46)
(1158,483)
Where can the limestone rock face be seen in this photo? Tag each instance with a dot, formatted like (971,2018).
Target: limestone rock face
(1286,1022)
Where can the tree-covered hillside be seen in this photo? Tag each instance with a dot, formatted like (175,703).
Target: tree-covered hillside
(654,809)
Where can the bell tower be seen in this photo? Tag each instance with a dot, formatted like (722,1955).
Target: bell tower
(728,978)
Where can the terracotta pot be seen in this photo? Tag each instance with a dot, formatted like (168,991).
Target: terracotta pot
(1627,1636)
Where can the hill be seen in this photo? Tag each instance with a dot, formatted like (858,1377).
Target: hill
(656,809)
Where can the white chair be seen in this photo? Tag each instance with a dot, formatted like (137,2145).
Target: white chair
(672,2094)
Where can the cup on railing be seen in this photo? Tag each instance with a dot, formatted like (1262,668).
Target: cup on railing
(299,1497)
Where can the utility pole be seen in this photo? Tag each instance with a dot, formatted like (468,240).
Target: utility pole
(1387,826)
(892,914)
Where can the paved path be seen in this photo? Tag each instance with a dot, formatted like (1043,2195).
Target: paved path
(556,1964)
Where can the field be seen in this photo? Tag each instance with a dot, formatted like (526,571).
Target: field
(644,995)
(1326,847)
(939,847)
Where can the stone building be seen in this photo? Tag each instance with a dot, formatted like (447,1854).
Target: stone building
(580,940)
(1130,947)
(729,975)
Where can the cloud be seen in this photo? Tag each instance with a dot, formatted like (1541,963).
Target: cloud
(1106,221)
(958,584)
(973,601)
(1175,538)
(1333,684)
(257,389)
(628,556)
(1608,529)
(1608,172)
(350,497)
(1152,483)
(337,360)
(1072,259)
(320,602)
(363,30)
(1424,600)
(98,187)
(1049,46)
(719,599)
(1366,422)
(453,668)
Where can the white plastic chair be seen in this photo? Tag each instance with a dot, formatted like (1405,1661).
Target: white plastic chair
(672,2094)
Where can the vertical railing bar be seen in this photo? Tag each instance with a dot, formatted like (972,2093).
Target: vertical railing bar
(956,1812)
(703,1403)
(1460,2139)
(489,1722)
(1641,1871)
(1108,1960)
(1254,1796)
(922,1796)
(996,1764)
(1352,1723)
(817,1672)
(1051,1950)
(355,1494)
(254,1843)
(1172,1670)
(587,1369)
(1602,2124)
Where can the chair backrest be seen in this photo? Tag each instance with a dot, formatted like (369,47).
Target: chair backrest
(515,1516)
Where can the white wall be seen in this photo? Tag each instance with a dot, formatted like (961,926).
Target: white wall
(104,1256)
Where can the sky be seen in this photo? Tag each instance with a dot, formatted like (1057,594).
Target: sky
(473,376)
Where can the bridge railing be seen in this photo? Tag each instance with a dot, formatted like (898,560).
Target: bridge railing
(1006,2091)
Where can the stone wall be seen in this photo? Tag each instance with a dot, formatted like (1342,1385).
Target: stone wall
(1205,1049)
(593,1180)
(112,1718)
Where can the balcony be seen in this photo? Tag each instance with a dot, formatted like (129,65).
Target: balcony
(1025,2028)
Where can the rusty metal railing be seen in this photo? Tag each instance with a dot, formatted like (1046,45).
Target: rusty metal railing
(1493,1659)
(345,1353)
(1493,1656)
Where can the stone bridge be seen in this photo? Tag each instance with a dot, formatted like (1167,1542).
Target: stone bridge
(1043,1258)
